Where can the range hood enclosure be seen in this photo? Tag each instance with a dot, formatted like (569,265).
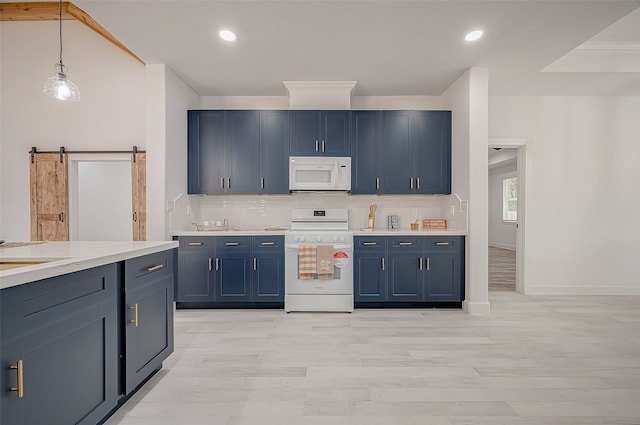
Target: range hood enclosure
(325,95)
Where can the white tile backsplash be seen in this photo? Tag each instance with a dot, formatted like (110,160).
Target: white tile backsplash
(248,212)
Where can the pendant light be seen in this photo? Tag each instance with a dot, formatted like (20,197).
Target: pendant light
(59,86)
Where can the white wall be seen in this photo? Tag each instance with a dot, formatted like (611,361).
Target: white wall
(582,190)
(111,114)
(501,234)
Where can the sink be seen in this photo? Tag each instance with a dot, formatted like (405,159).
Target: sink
(8,265)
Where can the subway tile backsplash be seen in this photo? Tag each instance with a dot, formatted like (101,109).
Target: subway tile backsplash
(248,212)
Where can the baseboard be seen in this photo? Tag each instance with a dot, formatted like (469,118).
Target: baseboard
(476,308)
(502,246)
(582,290)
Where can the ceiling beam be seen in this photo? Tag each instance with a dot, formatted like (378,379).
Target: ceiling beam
(50,11)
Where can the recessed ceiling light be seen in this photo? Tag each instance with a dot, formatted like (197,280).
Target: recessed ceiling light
(473,35)
(227,35)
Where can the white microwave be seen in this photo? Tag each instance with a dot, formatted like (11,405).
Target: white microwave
(319,173)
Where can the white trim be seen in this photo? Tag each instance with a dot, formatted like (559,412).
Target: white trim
(583,290)
(502,246)
(476,308)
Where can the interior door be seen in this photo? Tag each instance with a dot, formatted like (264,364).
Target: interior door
(49,197)
(139,195)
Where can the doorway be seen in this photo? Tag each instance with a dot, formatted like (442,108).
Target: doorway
(507,190)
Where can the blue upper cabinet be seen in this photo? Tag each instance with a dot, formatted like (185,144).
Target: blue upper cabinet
(241,152)
(205,151)
(274,152)
(431,136)
(365,144)
(401,152)
(317,133)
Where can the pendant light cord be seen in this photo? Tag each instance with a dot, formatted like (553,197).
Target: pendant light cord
(60,32)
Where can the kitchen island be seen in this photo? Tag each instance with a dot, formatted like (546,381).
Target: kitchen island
(83,326)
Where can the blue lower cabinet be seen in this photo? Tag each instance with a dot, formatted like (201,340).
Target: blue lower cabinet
(224,269)
(422,269)
(63,334)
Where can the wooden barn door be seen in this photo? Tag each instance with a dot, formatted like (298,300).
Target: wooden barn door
(139,195)
(49,197)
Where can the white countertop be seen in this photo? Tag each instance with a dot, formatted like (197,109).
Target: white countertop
(408,232)
(257,232)
(68,257)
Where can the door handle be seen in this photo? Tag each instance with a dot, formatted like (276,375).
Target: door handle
(377,183)
(228,182)
(135,315)
(210,264)
(411,183)
(382,263)
(262,183)
(221,182)
(323,146)
(316,146)
(61,217)
(418,183)
(420,266)
(428,263)
(255,263)
(217,264)
(20,387)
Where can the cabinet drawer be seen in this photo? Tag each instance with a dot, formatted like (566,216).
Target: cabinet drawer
(232,243)
(370,243)
(405,242)
(443,243)
(196,242)
(38,304)
(153,265)
(267,243)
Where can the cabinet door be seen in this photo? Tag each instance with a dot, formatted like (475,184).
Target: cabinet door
(149,282)
(365,134)
(205,151)
(396,156)
(195,264)
(304,133)
(232,269)
(431,138)
(405,276)
(274,152)
(444,257)
(267,278)
(64,330)
(334,133)
(242,152)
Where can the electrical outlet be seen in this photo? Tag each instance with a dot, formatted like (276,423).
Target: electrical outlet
(464,206)
(169,206)
(452,209)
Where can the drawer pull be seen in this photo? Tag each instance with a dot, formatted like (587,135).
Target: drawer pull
(405,243)
(442,244)
(267,243)
(154,268)
(135,315)
(20,388)
(195,244)
(369,243)
(232,243)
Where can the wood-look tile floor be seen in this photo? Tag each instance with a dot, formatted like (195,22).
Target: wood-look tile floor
(502,269)
(571,360)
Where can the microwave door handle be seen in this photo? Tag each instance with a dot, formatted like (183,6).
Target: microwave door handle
(336,171)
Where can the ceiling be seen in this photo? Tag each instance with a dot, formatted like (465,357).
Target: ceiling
(387,47)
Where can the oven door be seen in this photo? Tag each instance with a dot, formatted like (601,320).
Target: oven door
(342,282)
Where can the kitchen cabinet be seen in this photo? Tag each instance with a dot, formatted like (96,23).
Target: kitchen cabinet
(318,133)
(400,269)
(274,152)
(63,334)
(148,295)
(268,269)
(401,152)
(238,151)
(369,271)
(223,269)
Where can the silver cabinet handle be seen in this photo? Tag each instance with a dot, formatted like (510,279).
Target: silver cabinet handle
(442,243)
(377,182)
(210,264)
(428,263)
(217,264)
(382,263)
(195,243)
(221,182)
(262,183)
(323,146)
(369,243)
(316,146)
(232,244)
(267,243)
(255,265)
(405,243)
(418,183)
(420,268)
(228,182)
(411,183)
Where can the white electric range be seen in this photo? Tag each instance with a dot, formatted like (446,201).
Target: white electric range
(311,228)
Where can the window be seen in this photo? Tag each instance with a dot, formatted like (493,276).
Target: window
(510,199)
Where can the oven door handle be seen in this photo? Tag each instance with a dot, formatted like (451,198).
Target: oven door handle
(342,247)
